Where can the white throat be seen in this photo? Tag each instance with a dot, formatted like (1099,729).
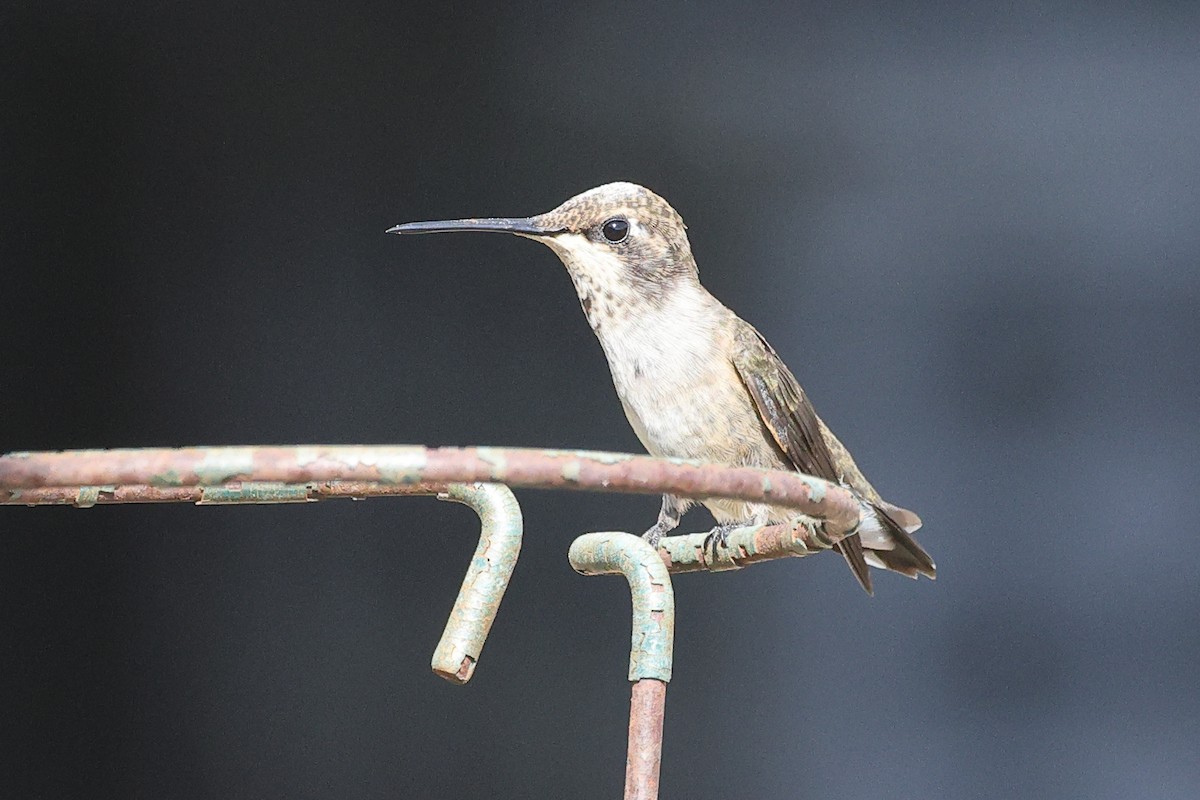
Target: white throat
(666,340)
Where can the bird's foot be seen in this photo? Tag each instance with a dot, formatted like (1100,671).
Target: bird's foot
(718,537)
(655,534)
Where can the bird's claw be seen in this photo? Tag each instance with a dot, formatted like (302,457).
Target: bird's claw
(718,537)
(654,535)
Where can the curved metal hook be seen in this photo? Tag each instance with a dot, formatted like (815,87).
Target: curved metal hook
(487,577)
(483,586)
(650,586)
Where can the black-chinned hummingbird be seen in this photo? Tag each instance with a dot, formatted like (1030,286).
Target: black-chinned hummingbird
(696,380)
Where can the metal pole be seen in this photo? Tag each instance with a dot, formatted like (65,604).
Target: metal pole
(402,465)
(646,710)
(827,513)
(651,645)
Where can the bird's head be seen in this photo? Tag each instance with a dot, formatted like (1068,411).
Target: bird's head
(617,239)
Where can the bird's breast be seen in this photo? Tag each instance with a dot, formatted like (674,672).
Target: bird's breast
(679,388)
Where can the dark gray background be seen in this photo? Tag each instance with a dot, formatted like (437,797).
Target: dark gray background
(972,232)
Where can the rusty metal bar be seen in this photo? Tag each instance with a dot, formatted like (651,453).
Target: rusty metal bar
(752,544)
(236,492)
(647,707)
(403,465)
(486,579)
(826,514)
(682,553)
(652,642)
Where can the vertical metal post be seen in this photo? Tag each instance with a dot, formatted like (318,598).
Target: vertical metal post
(651,647)
(646,709)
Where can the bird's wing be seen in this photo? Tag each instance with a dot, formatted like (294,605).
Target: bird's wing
(800,434)
(792,422)
(783,406)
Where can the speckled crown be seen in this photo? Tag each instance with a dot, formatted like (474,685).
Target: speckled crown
(591,208)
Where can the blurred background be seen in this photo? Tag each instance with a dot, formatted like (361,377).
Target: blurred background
(971,231)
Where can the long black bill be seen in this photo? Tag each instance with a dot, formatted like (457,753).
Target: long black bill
(497,224)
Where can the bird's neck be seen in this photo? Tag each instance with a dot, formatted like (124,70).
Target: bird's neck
(664,339)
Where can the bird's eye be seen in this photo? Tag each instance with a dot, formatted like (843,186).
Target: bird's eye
(615,230)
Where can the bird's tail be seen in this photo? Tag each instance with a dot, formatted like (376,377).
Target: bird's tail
(852,550)
(905,555)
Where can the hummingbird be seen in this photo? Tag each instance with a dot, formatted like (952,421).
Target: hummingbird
(697,381)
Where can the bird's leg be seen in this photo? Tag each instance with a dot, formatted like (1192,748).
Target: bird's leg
(668,519)
(719,535)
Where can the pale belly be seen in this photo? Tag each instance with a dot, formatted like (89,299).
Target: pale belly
(682,394)
(709,419)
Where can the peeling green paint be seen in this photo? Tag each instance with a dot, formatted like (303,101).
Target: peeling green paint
(686,552)
(397,465)
(224,464)
(307,455)
(255,492)
(168,478)
(599,456)
(486,580)
(572,470)
(497,459)
(606,457)
(402,465)
(816,489)
(653,636)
